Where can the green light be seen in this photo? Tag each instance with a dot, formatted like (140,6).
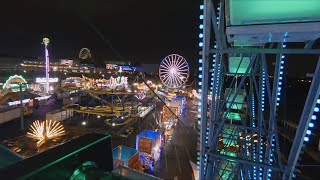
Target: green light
(8,82)
(238,102)
(233,116)
(229,137)
(234,65)
(248,12)
(80,174)
(227,166)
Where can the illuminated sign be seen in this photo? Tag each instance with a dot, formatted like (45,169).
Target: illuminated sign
(67,62)
(111,66)
(18,102)
(44,80)
(129,68)
(28,100)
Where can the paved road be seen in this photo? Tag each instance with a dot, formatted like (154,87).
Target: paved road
(175,155)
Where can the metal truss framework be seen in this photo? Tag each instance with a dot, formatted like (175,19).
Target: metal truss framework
(107,101)
(247,148)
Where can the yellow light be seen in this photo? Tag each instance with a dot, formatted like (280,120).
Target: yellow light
(45,130)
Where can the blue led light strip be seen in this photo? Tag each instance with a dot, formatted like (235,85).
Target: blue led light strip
(263,93)
(314,117)
(281,75)
(263,89)
(200,84)
(253,145)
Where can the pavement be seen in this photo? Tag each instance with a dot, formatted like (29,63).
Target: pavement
(176,154)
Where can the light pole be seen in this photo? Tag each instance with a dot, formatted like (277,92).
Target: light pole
(46,43)
(21,108)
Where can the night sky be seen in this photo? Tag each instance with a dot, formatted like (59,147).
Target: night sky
(138,31)
(141,30)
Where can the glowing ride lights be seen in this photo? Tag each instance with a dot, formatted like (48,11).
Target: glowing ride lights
(88,83)
(14,81)
(46,43)
(45,130)
(174,71)
(119,81)
(84,53)
(140,95)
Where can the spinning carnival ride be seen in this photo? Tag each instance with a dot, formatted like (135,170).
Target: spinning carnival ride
(107,98)
(174,71)
(239,126)
(45,130)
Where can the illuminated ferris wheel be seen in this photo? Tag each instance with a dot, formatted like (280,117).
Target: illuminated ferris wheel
(174,71)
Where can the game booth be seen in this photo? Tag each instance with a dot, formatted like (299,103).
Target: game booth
(149,144)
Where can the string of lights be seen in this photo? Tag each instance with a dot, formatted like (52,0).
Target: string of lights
(199,162)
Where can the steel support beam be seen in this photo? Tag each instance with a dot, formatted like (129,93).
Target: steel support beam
(305,119)
(205,80)
(273,110)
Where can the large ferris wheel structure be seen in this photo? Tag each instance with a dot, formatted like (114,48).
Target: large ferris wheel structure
(174,71)
(239,126)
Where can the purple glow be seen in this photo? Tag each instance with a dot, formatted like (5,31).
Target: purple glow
(47,69)
(140,95)
(174,71)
